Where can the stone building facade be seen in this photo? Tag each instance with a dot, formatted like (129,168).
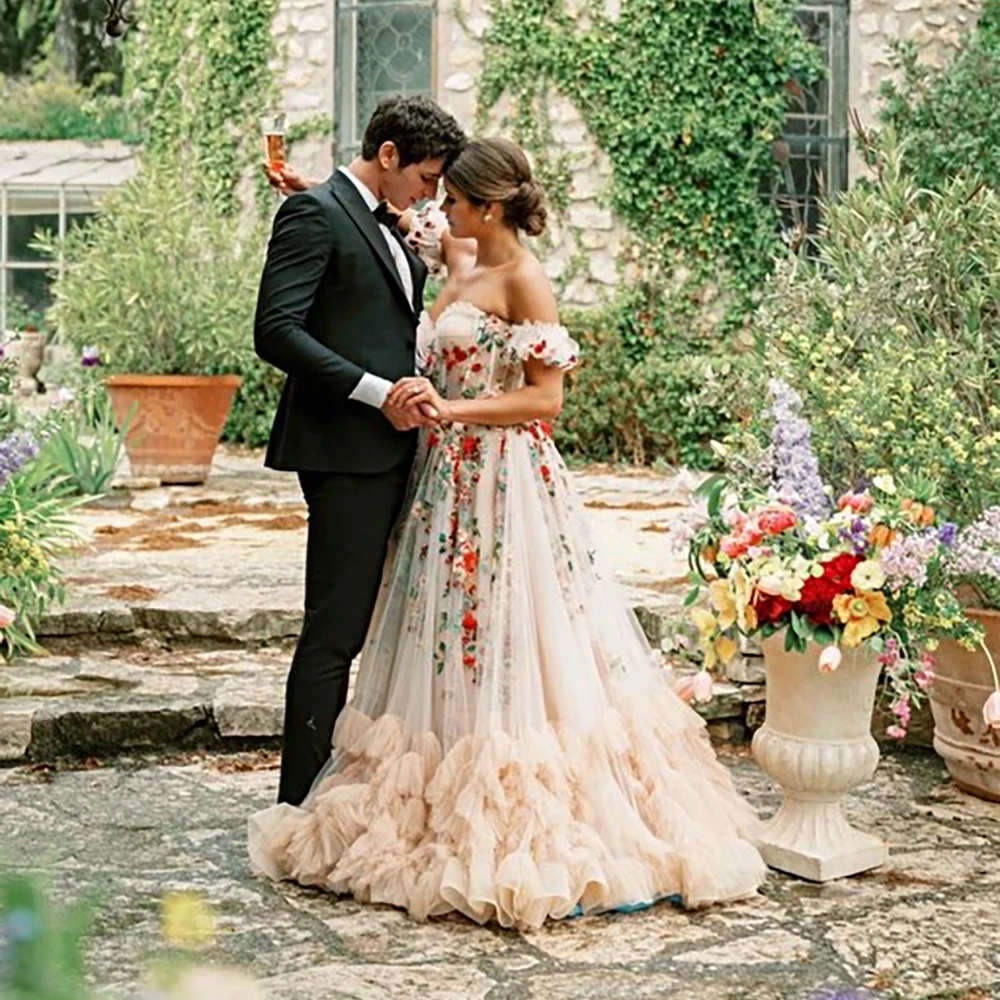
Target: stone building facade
(337,56)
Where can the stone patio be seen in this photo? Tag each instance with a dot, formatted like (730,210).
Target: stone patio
(926,926)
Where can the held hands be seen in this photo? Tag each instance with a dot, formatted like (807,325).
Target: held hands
(414,402)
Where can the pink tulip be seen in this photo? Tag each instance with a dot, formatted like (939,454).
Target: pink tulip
(702,687)
(829,659)
(7,617)
(991,711)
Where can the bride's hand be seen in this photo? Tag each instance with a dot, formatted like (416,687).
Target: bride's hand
(418,391)
(287,179)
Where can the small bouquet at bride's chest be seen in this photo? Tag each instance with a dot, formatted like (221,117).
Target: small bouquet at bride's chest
(777,551)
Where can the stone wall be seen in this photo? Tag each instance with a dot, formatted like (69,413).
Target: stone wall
(587,240)
(304,33)
(937,26)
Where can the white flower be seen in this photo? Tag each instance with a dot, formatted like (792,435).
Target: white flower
(885,483)
(65,395)
(868,575)
(829,659)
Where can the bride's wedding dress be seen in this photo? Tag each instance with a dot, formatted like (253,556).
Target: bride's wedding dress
(512,750)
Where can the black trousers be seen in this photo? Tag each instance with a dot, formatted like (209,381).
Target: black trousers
(350,521)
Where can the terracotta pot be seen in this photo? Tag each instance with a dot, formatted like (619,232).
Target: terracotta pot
(176,422)
(970,749)
(816,743)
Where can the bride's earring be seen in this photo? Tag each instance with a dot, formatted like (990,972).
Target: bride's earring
(488,217)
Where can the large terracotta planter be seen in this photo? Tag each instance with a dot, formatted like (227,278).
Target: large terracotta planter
(816,743)
(176,422)
(963,682)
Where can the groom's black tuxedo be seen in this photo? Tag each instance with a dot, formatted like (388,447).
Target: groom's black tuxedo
(332,307)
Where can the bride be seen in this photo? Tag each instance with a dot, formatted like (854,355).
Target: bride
(512,751)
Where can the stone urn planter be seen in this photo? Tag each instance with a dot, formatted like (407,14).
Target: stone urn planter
(963,681)
(32,344)
(175,422)
(816,743)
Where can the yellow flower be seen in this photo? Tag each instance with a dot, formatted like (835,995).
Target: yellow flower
(725,648)
(861,614)
(724,603)
(885,483)
(187,920)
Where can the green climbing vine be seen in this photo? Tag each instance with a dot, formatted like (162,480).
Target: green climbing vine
(685,99)
(202,74)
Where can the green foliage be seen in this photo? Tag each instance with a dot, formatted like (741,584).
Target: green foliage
(160,282)
(43,947)
(203,75)
(56,108)
(948,118)
(26,31)
(83,443)
(658,404)
(34,529)
(892,336)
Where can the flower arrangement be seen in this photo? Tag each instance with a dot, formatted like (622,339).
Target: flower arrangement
(878,566)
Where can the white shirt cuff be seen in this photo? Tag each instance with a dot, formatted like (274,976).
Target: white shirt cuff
(371,390)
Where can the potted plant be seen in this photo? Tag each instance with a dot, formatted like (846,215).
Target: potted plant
(160,289)
(842,595)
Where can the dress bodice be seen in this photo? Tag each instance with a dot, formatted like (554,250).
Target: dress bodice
(468,353)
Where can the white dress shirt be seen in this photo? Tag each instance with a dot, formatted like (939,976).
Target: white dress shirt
(372,389)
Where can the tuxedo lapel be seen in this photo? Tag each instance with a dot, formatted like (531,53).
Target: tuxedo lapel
(348,196)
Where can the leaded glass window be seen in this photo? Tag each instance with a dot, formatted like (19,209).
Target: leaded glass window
(811,155)
(383,47)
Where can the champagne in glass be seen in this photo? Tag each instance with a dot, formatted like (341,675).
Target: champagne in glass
(273,128)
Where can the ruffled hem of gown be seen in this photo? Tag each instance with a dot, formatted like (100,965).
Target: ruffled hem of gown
(515,831)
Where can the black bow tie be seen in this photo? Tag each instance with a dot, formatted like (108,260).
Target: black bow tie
(384,215)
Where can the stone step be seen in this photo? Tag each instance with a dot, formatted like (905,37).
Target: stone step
(88,623)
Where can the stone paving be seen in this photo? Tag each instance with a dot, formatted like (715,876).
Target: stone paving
(183,604)
(926,926)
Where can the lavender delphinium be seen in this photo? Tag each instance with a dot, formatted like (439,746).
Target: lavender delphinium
(793,463)
(15,451)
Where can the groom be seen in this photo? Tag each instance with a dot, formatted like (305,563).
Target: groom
(337,313)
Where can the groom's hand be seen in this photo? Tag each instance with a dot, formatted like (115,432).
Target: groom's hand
(407,417)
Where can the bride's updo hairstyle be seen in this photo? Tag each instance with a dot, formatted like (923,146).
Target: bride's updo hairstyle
(496,170)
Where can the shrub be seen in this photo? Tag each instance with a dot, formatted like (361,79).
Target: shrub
(892,336)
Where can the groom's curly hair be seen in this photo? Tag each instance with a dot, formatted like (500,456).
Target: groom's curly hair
(418,127)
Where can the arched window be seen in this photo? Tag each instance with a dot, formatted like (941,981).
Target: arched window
(383,47)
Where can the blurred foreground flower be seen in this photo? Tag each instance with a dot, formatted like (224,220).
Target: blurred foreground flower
(188,921)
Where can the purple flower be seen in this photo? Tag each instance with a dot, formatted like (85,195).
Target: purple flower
(91,357)
(948,534)
(905,560)
(793,463)
(976,551)
(15,451)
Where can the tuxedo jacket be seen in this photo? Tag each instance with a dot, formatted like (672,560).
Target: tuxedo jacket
(331,307)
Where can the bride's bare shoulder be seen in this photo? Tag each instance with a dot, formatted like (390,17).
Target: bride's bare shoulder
(529,292)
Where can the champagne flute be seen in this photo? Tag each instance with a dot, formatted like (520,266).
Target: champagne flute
(275,151)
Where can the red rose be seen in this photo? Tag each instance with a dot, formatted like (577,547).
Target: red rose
(432,440)
(546,428)
(470,445)
(470,562)
(840,568)
(469,622)
(770,608)
(460,354)
(546,473)
(733,547)
(816,602)
(469,661)
(539,347)
(477,367)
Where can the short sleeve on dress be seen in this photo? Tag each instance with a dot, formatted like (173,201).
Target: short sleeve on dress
(425,235)
(549,343)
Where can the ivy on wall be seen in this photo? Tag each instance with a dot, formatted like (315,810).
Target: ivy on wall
(202,75)
(685,99)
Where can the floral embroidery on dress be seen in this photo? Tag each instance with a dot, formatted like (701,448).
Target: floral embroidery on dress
(548,342)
